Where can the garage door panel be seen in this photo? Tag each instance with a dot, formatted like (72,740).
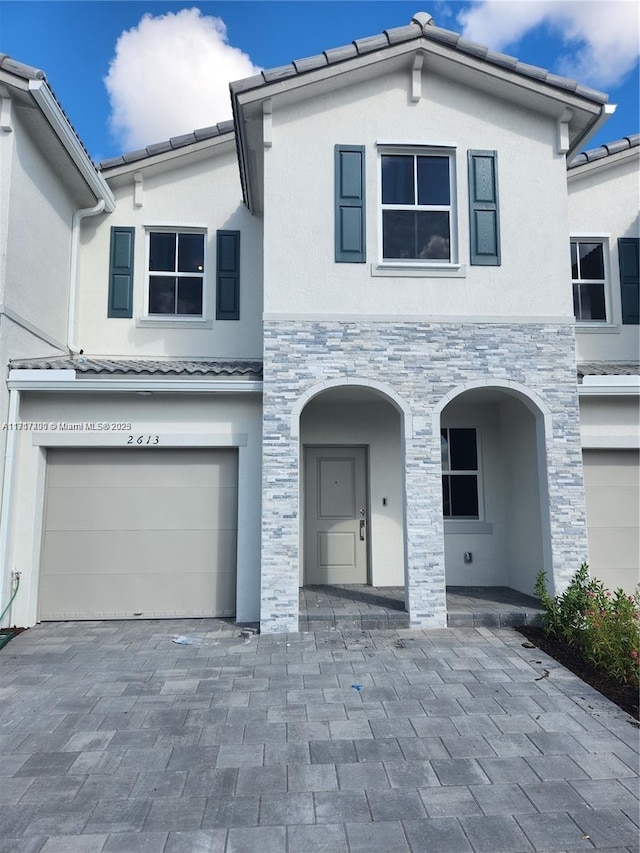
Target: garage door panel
(130,552)
(614,506)
(614,547)
(619,466)
(150,533)
(143,467)
(612,491)
(152,596)
(136,508)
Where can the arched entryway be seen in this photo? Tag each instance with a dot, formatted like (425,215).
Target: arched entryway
(351,439)
(494,481)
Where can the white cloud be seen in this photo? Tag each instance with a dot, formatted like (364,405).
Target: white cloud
(601,38)
(170,75)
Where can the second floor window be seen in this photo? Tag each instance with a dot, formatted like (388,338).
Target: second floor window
(588,277)
(176,273)
(416,207)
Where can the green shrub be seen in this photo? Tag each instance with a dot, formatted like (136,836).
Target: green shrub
(604,626)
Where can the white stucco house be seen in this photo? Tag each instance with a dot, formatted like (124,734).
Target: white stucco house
(378,329)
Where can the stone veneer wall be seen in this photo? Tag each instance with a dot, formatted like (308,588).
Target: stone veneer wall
(422,362)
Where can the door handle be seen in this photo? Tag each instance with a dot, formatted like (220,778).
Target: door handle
(362,522)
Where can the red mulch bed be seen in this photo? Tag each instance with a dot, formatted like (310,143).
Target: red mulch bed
(624,696)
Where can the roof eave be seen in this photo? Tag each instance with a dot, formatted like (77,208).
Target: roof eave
(605,113)
(50,109)
(144,162)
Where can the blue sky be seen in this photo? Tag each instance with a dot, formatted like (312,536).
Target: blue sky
(171,74)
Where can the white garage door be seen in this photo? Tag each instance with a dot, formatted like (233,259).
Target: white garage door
(612,485)
(148,533)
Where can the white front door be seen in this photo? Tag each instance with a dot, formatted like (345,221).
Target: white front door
(336,515)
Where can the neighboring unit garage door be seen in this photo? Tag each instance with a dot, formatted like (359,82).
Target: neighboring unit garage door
(612,486)
(148,533)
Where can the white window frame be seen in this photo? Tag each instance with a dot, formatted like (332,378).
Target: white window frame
(449,151)
(455,519)
(175,319)
(603,240)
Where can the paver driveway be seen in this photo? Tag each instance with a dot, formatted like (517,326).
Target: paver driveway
(115,738)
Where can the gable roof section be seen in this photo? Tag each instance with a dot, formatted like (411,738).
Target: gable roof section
(50,126)
(422,25)
(445,50)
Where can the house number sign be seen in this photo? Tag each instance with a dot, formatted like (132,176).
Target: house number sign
(143,439)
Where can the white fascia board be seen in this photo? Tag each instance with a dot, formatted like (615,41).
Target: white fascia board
(603,163)
(562,97)
(605,113)
(607,386)
(67,380)
(609,442)
(168,157)
(50,109)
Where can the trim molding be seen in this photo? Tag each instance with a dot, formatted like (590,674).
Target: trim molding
(16,318)
(67,380)
(487,320)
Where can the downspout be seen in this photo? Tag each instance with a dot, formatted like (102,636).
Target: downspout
(7,491)
(72,326)
(606,111)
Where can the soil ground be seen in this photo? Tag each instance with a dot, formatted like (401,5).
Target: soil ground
(625,696)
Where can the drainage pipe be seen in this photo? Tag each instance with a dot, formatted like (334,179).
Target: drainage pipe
(72,326)
(7,490)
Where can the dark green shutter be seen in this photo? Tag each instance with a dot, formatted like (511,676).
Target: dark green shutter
(227,275)
(484,216)
(121,272)
(629,288)
(349,202)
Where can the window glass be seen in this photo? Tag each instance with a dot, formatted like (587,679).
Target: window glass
(162,294)
(190,252)
(591,261)
(592,305)
(459,449)
(162,251)
(464,496)
(463,450)
(397,180)
(574,261)
(444,449)
(433,180)
(416,207)
(176,273)
(189,296)
(588,274)
(416,234)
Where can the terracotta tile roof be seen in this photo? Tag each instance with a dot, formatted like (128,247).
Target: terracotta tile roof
(169,145)
(174,367)
(608,368)
(606,150)
(421,26)
(28,72)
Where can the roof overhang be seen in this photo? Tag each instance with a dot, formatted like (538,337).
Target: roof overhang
(70,381)
(52,132)
(167,160)
(539,93)
(617,159)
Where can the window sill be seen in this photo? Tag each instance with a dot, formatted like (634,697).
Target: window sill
(419,270)
(468,527)
(597,328)
(172,323)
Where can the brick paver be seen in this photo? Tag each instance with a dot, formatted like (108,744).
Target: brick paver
(115,738)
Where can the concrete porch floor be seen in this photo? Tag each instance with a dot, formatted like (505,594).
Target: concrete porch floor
(360,606)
